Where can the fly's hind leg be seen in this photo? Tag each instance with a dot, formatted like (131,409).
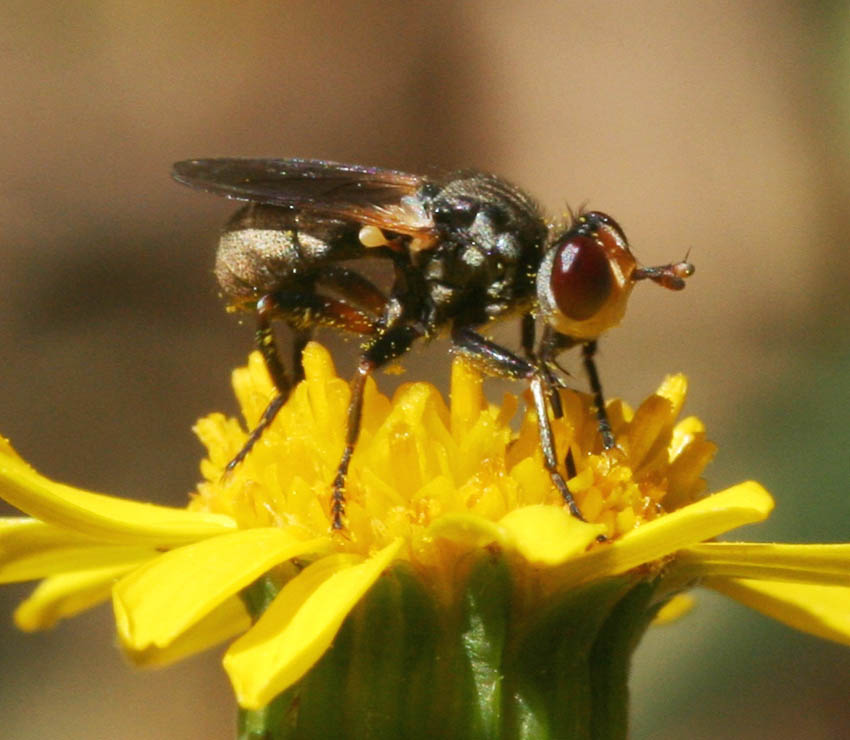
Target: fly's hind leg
(300,339)
(267,309)
(354,288)
(301,311)
(387,346)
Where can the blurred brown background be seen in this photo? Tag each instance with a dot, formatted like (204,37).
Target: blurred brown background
(719,128)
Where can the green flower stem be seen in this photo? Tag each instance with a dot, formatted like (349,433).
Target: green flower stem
(404,665)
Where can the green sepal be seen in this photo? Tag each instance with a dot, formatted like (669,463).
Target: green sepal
(484,667)
(550,663)
(375,679)
(611,659)
(475,648)
(275,721)
(260,594)
(270,722)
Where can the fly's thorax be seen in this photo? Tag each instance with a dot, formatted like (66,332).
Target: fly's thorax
(489,213)
(491,238)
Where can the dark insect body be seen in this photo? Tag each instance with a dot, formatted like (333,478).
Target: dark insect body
(464,250)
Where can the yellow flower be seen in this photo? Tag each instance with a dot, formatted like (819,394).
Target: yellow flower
(439,496)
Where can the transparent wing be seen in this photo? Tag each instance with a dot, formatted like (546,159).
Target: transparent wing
(368,195)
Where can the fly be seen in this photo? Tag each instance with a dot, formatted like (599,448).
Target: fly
(464,250)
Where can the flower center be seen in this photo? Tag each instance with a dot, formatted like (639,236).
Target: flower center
(419,459)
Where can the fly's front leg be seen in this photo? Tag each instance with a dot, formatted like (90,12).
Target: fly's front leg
(588,350)
(547,443)
(497,360)
(549,346)
(554,343)
(388,346)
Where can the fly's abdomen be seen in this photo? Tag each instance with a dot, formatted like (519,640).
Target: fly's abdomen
(267,249)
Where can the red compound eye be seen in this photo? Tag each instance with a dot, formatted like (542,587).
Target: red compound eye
(581,279)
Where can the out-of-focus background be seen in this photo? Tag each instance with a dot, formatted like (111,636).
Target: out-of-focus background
(716,128)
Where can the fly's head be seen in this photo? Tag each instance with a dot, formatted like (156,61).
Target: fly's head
(587,275)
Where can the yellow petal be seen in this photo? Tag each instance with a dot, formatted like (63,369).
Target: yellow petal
(467,398)
(300,624)
(653,416)
(7,452)
(745,503)
(674,609)
(675,389)
(31,549)
(825,564)
(819,610)
(66,595)
(161,600)
(548,535)
(684,433)
(104,517)
(467,529)
(221,624)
